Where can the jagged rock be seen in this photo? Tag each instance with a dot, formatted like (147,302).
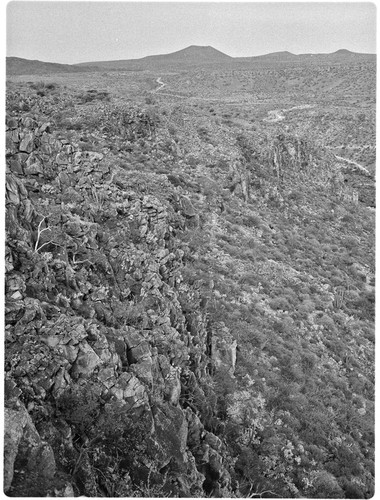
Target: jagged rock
(15,166)
(11,122)
(172,382)
(195,429)
(33,167)
(171,436)
(65,491)
(11,146)
(15,190)
(27,142)
(130,389)
(137,347)
(14,423)
(45,127)
(190,483)
(187,207)
(24,448)
(14,310)
(62,380)
(107,376)
(29,123)
(86,361)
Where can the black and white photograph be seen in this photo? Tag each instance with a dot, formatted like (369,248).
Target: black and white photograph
(189,248)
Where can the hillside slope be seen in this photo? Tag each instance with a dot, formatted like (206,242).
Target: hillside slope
(190,56)
(193,54)
(189,307)
(20,66)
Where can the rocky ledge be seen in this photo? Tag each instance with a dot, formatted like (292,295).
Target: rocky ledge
(101,355)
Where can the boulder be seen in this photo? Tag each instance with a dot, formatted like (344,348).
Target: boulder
(27,142)
(24,449)
(86,361)
(170,436)
(187,207)
(14,423)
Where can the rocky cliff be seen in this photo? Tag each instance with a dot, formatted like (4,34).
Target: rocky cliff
(102,336)
(135,360)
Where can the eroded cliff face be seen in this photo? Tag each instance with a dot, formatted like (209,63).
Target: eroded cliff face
(105,344)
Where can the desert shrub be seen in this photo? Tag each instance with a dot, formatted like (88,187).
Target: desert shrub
(369,333)
(306,306)
(250,278)
(308,361)
(172,130)
(326,321)
(350,242)
(150,100)
(326,485)
(92,95)
(114,456)
(296,196)
(79,406)
(203,133)
(352,490)
(279,303)
(250,254)
(252,221)
(222,164)
(223,385)
(364,306)
(134,314)
(348,218)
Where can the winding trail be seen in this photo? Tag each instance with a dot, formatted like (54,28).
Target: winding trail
(163,84)
(275,115)
(352,162)
(160,83)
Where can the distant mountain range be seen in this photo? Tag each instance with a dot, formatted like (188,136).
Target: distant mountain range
(194,55)
(20,66)
(285,56)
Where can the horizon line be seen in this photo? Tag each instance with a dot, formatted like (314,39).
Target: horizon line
(198,46)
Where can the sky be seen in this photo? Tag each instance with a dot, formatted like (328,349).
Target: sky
(72,32)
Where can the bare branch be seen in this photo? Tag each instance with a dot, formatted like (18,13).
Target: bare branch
(39,232)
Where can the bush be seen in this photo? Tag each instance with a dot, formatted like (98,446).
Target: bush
(80,407)
(252,221)
(279,303)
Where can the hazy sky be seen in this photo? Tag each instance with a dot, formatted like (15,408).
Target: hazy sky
(71,32)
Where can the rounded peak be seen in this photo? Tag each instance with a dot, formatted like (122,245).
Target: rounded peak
(199,47)
(343,51)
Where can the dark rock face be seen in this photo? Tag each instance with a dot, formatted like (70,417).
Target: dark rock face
(94,323)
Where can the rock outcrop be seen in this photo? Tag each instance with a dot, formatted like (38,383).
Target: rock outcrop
(94,320)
